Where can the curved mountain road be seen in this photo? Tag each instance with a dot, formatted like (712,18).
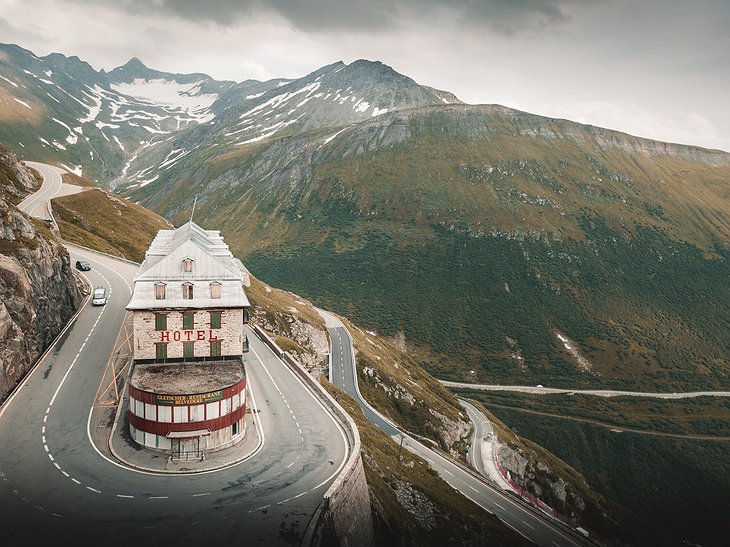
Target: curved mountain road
(530,523)
(540,390)
(56,488)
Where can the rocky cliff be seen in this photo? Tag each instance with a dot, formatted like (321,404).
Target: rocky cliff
(38,292)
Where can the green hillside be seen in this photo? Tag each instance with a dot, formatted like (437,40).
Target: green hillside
(663,489)
(494,240)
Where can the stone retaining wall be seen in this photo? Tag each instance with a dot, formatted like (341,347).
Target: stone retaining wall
(345,510)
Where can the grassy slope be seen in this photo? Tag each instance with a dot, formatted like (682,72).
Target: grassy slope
(392,381)
(457,520)
(107,223)
(480,249)
(73,178)
(663,490)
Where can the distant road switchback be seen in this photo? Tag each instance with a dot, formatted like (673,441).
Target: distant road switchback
(540,390)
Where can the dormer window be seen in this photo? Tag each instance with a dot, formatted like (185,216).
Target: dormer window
(159,291)
(187,291)
(215,290)
(188,265)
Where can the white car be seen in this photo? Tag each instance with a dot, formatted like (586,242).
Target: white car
(99,297)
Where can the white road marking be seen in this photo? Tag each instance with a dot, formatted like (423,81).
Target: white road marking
(470,486)
(498,505)
(124,496)
(528,525)
(74,480)
(57,466)
(159,497)
(93,489)
(203,494)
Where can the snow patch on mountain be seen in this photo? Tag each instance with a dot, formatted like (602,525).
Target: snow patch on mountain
(94,109)
(22,102)
(72,138)
(187,98)
(9,81)
(76,170)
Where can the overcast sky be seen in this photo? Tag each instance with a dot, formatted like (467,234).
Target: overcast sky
(653,68)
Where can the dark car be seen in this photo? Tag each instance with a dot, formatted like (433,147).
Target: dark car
(83,265)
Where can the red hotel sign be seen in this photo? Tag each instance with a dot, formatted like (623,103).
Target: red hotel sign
(188,335)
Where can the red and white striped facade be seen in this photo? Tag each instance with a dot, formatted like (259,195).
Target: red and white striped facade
(187,394)
(152,423)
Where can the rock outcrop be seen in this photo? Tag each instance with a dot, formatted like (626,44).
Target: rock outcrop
(38,292)
(538,479)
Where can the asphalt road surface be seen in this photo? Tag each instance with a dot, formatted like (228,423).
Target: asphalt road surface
(57,489)
(541,390)
(530,523)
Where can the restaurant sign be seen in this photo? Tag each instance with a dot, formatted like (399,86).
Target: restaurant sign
(195,399)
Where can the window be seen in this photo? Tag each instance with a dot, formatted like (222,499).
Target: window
(150,412)
(215,348)
(215,290)
(164,414)
(212,411)
(197,413)
(159,291)
(161,351)
(161,321)
(180,414)
(187,290)
(215,320)
(188,349)
(188,320)
(188,265)
(234,429)
(246,316)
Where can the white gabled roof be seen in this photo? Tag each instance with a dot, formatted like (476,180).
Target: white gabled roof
(213,262)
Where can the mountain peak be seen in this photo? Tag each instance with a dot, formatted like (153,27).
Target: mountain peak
(134,63)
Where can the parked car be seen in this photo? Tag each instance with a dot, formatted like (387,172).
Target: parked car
(83,265)
(99,297)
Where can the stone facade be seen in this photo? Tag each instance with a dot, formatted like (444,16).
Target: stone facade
(146,337)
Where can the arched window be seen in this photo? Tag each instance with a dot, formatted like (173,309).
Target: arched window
(187,291)
(188,265)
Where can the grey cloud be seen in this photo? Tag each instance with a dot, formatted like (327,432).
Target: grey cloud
(13,34)
(505,16)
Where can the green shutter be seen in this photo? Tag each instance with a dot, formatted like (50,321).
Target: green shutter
(188,318)
(161,352)
(188,349)
(215,349)
(160,321)
(215,320)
